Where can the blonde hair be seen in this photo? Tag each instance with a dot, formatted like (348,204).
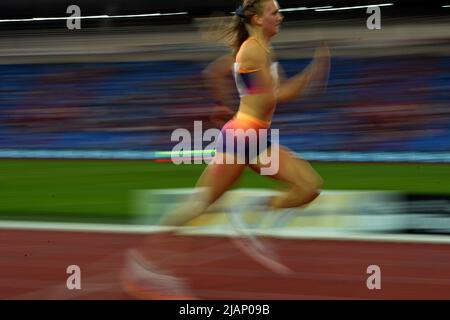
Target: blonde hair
(236,32)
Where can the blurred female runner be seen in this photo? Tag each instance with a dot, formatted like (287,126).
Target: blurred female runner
(257,80)
(258,83)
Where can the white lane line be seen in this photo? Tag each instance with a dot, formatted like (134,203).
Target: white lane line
(81,227)
(284,233)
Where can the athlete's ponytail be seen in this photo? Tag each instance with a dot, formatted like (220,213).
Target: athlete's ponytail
(236,32)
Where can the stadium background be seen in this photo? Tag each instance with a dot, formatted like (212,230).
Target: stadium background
(86,115)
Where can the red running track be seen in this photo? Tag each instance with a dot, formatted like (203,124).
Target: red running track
(33,266)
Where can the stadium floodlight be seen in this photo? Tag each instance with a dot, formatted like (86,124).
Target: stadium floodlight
(357,7)
(105,16)
(303,8)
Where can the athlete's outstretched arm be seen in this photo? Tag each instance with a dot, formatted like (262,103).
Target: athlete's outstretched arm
(313,78)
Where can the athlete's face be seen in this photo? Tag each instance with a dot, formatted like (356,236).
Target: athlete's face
(271,18)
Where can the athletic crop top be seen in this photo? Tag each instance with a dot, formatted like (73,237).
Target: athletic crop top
(245,79)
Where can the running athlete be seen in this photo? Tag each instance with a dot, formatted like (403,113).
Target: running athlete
(258,83)
(255,23)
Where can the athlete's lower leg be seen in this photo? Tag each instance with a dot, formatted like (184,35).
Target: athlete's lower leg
(213,183)
(295,197)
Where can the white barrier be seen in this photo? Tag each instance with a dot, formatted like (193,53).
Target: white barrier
(332,211)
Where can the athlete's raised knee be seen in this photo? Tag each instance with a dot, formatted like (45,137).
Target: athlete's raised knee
(318,185)
(311,195)
(311,191)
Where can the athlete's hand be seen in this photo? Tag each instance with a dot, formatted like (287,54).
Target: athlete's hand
(321,67)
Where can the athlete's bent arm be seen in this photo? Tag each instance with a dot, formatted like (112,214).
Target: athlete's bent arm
(313,78)
(291,89)
(215,75)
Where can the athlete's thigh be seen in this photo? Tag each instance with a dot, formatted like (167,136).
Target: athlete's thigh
(292,169)
(219,176)
(303,169)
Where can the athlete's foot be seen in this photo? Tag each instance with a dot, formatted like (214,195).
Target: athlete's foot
(249,243)
(262,254)
(143,280)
